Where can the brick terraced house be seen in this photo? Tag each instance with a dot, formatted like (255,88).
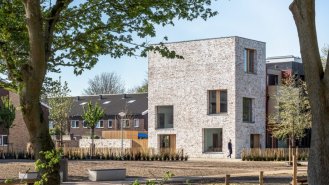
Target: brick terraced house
(215,94)
(134,105)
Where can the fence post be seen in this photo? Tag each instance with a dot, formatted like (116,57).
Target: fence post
(227,178)
(261,178)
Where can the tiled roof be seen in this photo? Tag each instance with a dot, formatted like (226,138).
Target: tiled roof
(133,104)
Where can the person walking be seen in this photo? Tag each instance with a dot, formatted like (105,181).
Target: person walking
(229,146)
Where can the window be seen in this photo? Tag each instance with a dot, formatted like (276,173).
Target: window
(165,117)
(100,124)
(217,101)
(247,110)
(254,141)
(136,122)
(110,123)
(125,123)
(3,140)
(272,79)
(51,124)
(74,123)
(249,60)
(212,140)
(84,123)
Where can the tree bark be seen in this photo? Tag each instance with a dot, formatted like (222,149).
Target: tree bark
(33,75)
(92,148)
(318,89)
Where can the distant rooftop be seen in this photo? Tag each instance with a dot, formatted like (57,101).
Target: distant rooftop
(282,59)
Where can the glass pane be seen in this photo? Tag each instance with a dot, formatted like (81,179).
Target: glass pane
(212,140)
(223,101)
(251,61)
(247,109)
(165,117)
(5,140)
(212,102)
(245,60)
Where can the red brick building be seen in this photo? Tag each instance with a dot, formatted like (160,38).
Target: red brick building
(18,136)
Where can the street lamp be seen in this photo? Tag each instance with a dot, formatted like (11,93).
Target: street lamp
(121,114)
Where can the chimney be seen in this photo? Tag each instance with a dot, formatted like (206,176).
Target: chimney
(100,97)
(78,98)
(124,96)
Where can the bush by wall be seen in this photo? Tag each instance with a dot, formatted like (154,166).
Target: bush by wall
(272,154)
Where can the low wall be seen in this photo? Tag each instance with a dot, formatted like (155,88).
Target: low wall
(106,143)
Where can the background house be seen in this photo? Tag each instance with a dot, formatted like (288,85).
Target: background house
(216,94)
(134,105)
(18,136)
(277,69)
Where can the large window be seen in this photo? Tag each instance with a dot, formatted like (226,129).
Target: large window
(212,140)
(248,110)
(217,101)
(165,117)
(3,140)
(74,123)
(249,60)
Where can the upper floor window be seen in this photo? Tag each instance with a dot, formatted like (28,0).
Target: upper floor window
(110,123)
(100,124)
(248,110)
(136,122)
(217,101)
(3,140)
(249,60)
(165,116)
(74,123)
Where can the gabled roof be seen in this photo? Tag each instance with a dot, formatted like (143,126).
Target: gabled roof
(133,104)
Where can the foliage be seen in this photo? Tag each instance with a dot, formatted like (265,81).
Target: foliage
(272,154)
(46,165)
(105,83)
(324,55)
(92,114)
(60,103)
(167,176)
(7,113)
(293,110)
(142,88)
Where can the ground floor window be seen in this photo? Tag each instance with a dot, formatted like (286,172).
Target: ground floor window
(168,142)
(212,140)
(3,140)
(254,141)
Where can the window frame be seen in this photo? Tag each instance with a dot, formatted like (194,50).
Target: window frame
(221,145)
(123,123)
(217,101)
(75,121)
(98,125)
(251,114)
(108,123)
(246,61)
(136,123)
(171,120)
(1,140)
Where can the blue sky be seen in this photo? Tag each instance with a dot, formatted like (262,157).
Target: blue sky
(269,21)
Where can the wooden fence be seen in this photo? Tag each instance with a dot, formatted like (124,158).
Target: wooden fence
(119,134)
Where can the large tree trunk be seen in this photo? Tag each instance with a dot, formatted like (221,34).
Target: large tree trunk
(318,88)
(33,75)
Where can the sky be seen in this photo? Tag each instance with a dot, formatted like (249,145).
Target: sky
(269,21)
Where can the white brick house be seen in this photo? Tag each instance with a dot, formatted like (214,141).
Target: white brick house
(216,93)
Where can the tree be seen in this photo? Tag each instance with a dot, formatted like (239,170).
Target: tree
(105,83)
(7,113)
(38,36)
(60,103)
(142,88)
(317,80)
(92,114)
(293,113)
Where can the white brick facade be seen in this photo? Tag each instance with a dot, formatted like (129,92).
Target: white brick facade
(210,64)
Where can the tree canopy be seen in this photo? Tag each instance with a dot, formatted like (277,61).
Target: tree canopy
(7,113)
(105,83)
